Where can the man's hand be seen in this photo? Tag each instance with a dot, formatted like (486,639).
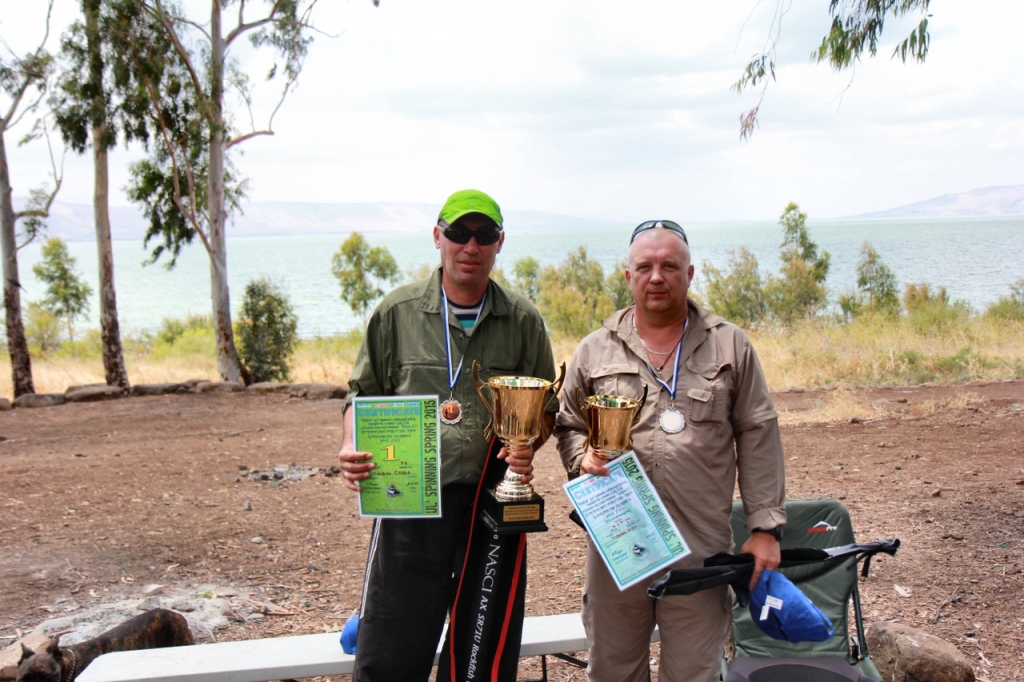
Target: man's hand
(355,466)
(765,549)
(594,464)
(519,461)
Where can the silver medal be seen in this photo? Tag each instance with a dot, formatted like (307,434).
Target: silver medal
(672,421)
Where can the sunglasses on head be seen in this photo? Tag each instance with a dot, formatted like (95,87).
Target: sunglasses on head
(651,224)
(485,236)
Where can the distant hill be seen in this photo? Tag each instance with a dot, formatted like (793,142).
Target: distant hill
(74,222)
(1006,200)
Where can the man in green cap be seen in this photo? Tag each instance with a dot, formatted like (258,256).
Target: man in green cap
(423,339)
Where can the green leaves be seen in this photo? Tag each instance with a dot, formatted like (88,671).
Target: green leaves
(67,294)
(266,331)
(361,270)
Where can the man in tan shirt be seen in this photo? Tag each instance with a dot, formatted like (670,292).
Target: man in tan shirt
(708,417)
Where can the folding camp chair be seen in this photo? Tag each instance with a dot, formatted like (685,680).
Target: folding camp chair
(820,556)
(818,524)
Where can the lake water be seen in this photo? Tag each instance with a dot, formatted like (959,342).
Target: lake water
(976,259)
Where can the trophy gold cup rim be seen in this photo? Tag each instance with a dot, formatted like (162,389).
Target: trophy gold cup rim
(611,402)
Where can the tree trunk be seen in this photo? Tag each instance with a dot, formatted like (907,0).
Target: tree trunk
(227,357)
(17,345)
(110,330)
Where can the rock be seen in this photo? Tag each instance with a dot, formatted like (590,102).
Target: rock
(253,617)
(248,506)
(5,404)
(158,389)
(318,391)
(218,387)
(40,400)
(257,540)
(905,654)
(152,590)
(227,592)
(269,387)
(149,604)
(89,394)
(184,605)
(11,655)
(856,420)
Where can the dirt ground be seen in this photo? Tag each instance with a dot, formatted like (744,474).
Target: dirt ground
(97,500)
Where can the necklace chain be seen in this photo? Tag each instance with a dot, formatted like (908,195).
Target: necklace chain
(652,352)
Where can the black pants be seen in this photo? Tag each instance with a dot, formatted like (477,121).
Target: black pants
(411,579)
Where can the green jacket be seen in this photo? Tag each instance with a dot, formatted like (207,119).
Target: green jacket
(403,353)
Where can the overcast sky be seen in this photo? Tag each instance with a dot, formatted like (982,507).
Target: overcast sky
(609,109)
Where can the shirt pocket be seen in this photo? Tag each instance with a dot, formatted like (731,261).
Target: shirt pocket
(616,379)
(708,393)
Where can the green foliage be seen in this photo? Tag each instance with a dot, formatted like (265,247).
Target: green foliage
(573,297)
(1009,307)
(736,293)
(930,310)
(180,338)
(361,271)
(876,282)
(67,294)
(173,329)
(799,292)
(618,287)
(266,331)
(526,277)
(42,330)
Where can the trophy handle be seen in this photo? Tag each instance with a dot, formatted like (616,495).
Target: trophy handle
(582,405)
(489,429)
(643,399)
(555,388)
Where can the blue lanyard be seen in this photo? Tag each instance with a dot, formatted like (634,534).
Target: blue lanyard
(453,377)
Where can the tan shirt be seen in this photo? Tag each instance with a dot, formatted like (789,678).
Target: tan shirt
(731,425)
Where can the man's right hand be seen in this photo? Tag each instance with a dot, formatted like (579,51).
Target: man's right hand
(355,466)
(593,464)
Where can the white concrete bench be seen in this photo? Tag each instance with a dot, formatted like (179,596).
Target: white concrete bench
(279,658)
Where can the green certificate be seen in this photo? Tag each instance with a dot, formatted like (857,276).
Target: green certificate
(401,432)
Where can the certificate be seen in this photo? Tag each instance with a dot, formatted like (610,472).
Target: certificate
(627,521)
(401,432)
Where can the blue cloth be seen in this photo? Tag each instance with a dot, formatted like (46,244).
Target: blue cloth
(782,611)
(348,635)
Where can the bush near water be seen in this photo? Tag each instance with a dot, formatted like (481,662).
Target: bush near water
(866,336)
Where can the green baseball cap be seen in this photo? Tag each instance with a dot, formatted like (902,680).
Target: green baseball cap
(470,201)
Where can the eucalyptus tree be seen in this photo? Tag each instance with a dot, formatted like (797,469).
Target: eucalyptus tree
(100,98)
(23,85)
(191,171)
(856,29)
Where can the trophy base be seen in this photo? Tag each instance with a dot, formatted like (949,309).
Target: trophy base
(511,517)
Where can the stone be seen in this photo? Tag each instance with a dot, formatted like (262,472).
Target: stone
(856,420)
(184,605)
(158,389)
(318,391)
(905,654)
(5,404)
(89,394)
(149,603)
(152,590)
(218,387)
(40,400)
(269,387)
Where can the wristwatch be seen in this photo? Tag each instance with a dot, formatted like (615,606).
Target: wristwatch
(775,532)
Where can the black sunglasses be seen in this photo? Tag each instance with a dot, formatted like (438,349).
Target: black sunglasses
(667,224)
(485,236)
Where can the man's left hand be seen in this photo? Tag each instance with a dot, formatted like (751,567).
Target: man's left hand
(519,462)
(765,549)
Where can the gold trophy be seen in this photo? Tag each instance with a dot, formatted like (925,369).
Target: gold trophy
(609,420)
(517,418)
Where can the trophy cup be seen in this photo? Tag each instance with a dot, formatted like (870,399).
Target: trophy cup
(517,418)
(609,420)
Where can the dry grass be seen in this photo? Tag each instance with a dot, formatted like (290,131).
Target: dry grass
(866,352)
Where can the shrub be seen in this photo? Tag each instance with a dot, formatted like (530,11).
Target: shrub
(737,293)
(1009,307)
(799,292)
(266,331)
(361,270)
(42,330)
(573,297)
(930,309)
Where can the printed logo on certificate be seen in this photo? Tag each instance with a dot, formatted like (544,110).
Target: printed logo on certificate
(401,432)
(627,521)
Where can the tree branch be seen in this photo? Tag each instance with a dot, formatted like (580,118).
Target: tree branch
(243,27)
(243,138)
(162,16)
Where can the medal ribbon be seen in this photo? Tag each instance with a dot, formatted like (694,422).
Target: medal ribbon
(675,371)
(453,377)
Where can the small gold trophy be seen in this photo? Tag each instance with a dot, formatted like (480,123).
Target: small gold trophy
(517,419)
(610,420)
